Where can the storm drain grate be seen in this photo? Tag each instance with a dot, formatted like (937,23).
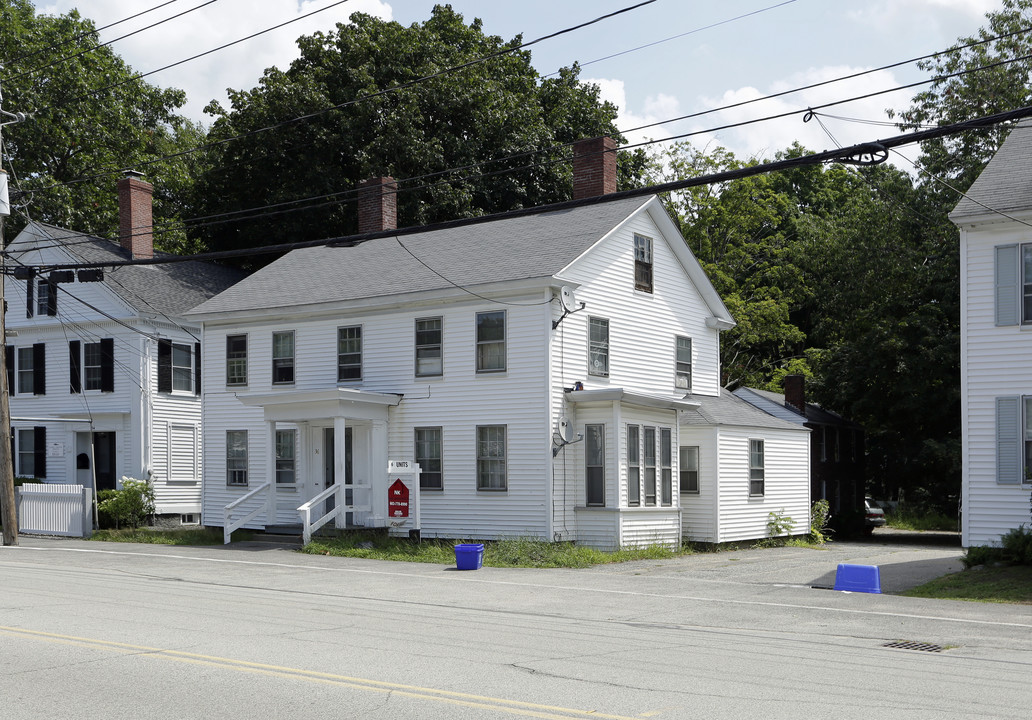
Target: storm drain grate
(910,645)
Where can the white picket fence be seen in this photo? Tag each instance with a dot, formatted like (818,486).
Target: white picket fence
(55,509)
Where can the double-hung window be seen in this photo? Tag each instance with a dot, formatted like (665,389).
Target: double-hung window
(236,457)
(286,457)
(650,465)
(491,452)
(491,341)
(756,467)
(598,346)
(283,357)
(683,363)
(429,347)
(349,353)
(633,465)
(236,360)
(26,379)
(46,298)
(595,464)
(666,466)
(689,469)
(92,365)
(429,457)
(642,263)
(182,367)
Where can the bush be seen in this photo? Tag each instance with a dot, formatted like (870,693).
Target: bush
(820,513)
(1014,547)
(127,507)
(779,525)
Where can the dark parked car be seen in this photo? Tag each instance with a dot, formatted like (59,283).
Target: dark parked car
(874,516)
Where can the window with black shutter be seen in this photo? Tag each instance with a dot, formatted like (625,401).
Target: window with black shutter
(39,452)
(164,366)
(39,369)
(107,364)
(9,359)
(75,366)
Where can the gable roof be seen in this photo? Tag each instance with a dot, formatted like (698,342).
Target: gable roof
(765,399)
(728,409)
(533,246)
(1005,185)
(166,289)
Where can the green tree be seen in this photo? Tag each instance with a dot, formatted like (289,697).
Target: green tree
(996,78)
(90,119)
(742,233)
(482,113)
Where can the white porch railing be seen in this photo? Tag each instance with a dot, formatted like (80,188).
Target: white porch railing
(337,493)
(229,524)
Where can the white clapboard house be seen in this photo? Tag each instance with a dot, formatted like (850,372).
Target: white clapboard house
(104,373)
(996,343)
(549,372)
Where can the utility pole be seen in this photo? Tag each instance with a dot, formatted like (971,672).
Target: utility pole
(8,515)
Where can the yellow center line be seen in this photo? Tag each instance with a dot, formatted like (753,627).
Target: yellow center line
(548,712)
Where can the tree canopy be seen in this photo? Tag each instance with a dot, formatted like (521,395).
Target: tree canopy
(496,119)
(90,119)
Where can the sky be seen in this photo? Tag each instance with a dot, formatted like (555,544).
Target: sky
(663,60)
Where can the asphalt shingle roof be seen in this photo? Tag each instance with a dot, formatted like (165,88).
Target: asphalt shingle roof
(1006,182)
(167,289)
(518,248)
(729,409)
(814,413)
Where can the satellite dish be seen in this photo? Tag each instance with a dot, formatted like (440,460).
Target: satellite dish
(562,427)
(567,298)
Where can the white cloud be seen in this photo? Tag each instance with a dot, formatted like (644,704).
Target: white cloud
(886,12)
(656,108)
(239,66)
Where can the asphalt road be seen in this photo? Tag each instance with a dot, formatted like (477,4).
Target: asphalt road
(97,630)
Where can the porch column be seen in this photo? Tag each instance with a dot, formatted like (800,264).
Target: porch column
(339,474)
(378,474)
(270,476)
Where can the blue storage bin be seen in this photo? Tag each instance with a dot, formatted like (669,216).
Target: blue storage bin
(858,578)
(469,556)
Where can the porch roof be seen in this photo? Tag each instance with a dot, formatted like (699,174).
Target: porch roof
(631,397)
(289,405)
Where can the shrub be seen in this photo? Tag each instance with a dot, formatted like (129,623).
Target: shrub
(778,525)
(820,514)
(1014,547)
(127,507)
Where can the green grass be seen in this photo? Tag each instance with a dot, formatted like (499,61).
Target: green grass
(1000,584)
(193,536)
(924,521)
(517,552)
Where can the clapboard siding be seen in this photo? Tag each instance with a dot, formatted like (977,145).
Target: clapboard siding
(994,363)
(786,486)
(699,510)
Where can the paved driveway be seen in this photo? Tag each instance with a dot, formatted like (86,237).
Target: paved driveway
(905,560)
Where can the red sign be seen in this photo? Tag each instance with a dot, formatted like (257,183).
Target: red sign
(397,499)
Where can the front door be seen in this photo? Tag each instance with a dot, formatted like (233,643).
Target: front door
(329,460)
(104,459)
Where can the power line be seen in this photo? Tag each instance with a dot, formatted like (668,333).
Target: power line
(87,33)
(868,153)
(109,42)
(323,111)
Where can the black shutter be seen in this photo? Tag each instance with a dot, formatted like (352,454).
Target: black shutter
(30,296)
(39,369)
(197,368)
(9,359)
(51,298)
(75,366)
(39,451)
(164,366)
(107,364)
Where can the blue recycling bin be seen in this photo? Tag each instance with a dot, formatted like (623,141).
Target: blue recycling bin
(858,578)
(469,556)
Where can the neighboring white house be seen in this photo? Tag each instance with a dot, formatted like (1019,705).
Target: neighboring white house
(996,343)
(104,373)
(457,349)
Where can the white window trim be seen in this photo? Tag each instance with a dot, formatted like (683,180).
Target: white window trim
(293,357)
(682,469)
(504,342)
(192,368)
(762,468)
(293,460)
(361,353)
(417,456)
(679,373)
(587,435)
(417,346)
(247,461)
(21,372)
(604,347)
(635,464)
(504,459)
(246,358)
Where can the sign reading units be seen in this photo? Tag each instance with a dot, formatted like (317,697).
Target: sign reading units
(402,498)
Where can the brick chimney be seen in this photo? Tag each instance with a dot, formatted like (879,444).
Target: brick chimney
(594,167)
(795,393)
(377,205)
(135,218)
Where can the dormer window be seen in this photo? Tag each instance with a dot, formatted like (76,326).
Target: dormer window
(642,263)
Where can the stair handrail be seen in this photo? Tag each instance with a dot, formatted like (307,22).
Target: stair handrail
(229,525)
